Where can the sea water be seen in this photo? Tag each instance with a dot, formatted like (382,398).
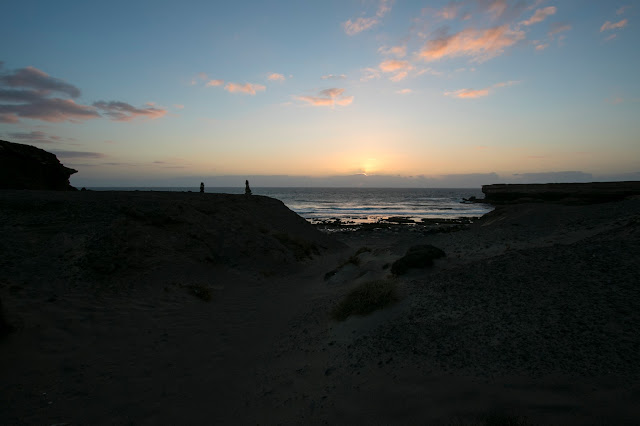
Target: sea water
(361,205)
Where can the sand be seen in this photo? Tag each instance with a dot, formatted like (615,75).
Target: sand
(531,317)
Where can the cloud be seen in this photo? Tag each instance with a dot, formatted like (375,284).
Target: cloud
(449,12)
(247,88)
(479,93)
(621,10)
(540,15)
(394,65)
(398,51)
(359,25)
(468,93)
(77,154)
(34,137)
(480,45)
(48,109)
(275,77)
(370,74)
(614,26)
(404,91)
(39,81)
(214,83)
(122,111)
(34,101)
(363,24)
(541,46)
(558,27)
(178,106)
(399,68)
(328,97)
(201,76)
(333,77)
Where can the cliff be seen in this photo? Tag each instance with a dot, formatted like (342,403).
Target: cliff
(27,167)
(594,192)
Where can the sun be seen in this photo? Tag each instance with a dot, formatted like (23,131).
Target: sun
(370,166)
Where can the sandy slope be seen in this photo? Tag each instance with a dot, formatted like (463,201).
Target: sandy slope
(534,312)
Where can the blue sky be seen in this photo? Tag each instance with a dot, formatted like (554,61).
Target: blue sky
(408,93)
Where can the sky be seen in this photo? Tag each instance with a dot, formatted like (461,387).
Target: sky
(325,93)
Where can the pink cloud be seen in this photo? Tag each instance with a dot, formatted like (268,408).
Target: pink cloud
(333,77)
(481,45)
(214,83)
(613,26)
(468,93)
(394,65)
(448,12)
(540,15)
(479,93)
(404,91)
(542,46)
(275,77)
(328,97)
(247,88)
(399,76)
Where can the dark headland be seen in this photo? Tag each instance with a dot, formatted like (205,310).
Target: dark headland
(189,308)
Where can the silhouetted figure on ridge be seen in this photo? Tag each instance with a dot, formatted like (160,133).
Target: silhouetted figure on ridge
(247,190)
(202,187)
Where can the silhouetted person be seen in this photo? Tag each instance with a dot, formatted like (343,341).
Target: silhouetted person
(247,190)
(202,187)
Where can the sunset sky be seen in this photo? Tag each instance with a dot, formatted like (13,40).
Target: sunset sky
(408,93)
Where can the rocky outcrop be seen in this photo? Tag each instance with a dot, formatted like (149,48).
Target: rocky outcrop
(27,167)
(594,192)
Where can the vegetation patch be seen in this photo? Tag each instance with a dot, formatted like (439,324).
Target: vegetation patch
(366,298)
(419,256)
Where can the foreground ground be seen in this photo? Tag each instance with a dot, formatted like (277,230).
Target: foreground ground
(532,317)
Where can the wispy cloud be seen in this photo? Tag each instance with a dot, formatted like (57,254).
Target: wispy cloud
(122,111)
(540,15)
(275,77)
(480,45)
(352,27)
(404,91)
(397,51)
(77,154)
(622,9)
(334,77)
(370,74)
(614,25)
(328,97)
(33,137)
(400,69)
(214,83)
(247,88)
(557,28)
(478,93)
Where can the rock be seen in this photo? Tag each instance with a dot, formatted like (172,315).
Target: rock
(27,167)
(419,256)
(594,192)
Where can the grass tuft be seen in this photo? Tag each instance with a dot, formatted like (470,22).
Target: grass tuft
(366,298)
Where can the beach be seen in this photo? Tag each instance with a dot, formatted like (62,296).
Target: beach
(187,308)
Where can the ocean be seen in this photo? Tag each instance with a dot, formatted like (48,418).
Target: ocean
(361,205)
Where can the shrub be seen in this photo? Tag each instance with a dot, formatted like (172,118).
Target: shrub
(417,257)
(365,299)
